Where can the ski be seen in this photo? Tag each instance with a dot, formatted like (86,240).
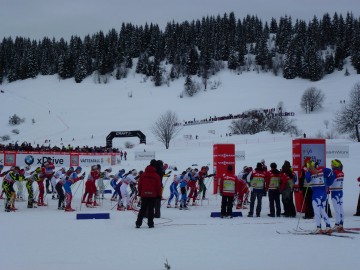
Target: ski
(311,233)
(345,231)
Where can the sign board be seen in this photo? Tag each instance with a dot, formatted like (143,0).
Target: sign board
(337,151)
(145,155)
(240,155)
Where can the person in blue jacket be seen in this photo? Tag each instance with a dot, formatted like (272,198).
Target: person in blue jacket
(319,178)
(183,183)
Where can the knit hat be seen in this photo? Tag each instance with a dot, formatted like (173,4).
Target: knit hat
(230,168)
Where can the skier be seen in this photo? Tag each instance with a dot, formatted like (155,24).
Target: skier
(129,179)
(307,193)
(183,183)
(319,178)
(90,187)
(174,191)
(192,186)
(30,179)
(8,187)
(59,187)
(258,186)
(56,176)
(113,183)
(40,182)
(336,190)
(105,175)
(272,185)
(48,171)
(228,187)
(73,178)
(20,185)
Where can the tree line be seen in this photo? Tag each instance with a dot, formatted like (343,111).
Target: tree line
(308,50)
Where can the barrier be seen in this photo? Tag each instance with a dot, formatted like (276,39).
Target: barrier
(93,216)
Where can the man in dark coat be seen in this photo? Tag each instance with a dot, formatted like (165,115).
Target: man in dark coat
(149,188)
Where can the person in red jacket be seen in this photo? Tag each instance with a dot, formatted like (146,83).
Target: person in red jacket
(149,188)
(228,187)
(358,204)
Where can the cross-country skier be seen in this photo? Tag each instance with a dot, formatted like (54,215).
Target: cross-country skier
(30,179)
(73,178)
(174,191)
(56,176)
(48,171)
(59,187)
(105,175)
(90,187)
(8,187)
(184,180)
(319,178)
(336,190)
(113,183)
(129,179)
(192,185)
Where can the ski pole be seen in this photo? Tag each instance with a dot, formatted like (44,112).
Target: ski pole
(302,207)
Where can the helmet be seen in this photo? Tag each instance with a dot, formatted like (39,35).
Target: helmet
(27,168)
(336,163)
(78,168)
(310,164)
(122,171)
(134,172)
(1,167)
(71,169)
(109,169)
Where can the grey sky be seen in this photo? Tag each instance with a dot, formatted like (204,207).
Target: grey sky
(63,18)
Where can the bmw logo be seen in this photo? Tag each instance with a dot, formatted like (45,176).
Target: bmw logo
(29,160)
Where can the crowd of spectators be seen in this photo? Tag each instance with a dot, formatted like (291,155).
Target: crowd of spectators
(268,112)
(28,147)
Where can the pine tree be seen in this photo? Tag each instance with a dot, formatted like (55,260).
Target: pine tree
(355,49)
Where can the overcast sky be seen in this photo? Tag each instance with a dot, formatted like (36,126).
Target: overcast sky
(63,18)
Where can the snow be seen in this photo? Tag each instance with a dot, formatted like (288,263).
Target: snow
(46,238)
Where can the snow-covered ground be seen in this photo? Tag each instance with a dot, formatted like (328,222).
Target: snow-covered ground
(46,238)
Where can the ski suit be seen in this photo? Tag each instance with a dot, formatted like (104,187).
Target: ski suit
(336,189)
(319,179)
(192,186)
(129,179)
(174,190)
(8,187)
(56,176)
(73,178)
(183,184)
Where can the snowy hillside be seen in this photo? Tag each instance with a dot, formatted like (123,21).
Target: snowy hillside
(87,112)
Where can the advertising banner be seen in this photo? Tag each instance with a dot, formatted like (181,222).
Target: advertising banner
(337,151)
(240,155)
(301,149)
(60,159)
(223,155)
(36,159)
